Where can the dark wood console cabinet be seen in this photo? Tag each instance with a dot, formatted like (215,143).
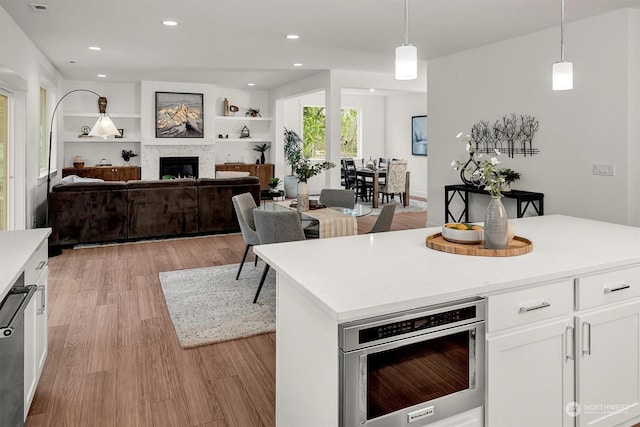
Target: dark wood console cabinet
(107,173)
(263,171)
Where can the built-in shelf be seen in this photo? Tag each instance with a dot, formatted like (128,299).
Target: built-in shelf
(112,115)
(243,118)
(242,140)
(98,139)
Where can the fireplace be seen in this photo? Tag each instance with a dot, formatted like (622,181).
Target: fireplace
(178,167)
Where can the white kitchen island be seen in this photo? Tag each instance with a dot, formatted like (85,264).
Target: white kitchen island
(23,262)
(326,282)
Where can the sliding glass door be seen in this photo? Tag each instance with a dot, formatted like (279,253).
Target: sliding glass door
(4,157)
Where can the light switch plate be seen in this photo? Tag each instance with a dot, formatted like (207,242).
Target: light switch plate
(604,169)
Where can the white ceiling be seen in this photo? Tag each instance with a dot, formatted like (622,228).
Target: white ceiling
(234,42)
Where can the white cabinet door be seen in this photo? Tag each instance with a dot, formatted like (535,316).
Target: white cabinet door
(536,365)
(41,323)
(608,365)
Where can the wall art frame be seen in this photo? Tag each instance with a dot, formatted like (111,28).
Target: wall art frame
(419,135)
(179,115)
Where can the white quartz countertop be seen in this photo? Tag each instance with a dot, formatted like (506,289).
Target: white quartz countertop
(16,247)
(361,276)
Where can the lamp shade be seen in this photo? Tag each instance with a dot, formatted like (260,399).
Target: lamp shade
(104,127)
(562,76)
(406,62)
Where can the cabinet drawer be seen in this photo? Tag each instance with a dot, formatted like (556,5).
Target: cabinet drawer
(529,305)
(36,265)
(606,288)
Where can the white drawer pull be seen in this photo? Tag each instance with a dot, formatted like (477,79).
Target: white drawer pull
(543,304)
(619,288)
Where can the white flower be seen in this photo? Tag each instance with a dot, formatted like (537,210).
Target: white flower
(459,135)
(495,161)
(453,163)
(496,151)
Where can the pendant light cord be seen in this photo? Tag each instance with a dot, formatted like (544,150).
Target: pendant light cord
(562,31)
(406,22)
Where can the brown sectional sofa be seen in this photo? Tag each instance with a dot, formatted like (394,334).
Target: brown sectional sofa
(90,212)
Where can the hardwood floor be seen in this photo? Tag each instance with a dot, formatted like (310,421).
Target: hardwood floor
(114,359)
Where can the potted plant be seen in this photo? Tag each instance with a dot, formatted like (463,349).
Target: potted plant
(128,155)
(509,176)
(292,155)
(273,184)
(261,148)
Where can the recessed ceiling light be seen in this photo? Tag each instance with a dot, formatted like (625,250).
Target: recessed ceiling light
(251,84)
(95,48)
(292,36)
(102,76)
(169,23)
(297,64)
(372,90)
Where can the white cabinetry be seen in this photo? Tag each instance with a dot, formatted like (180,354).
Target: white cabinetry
(536,369)
(608,347)
(530,359)
(35,324)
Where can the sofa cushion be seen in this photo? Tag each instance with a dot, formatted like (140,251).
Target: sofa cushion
(88,212)
(162,208)
(215,208)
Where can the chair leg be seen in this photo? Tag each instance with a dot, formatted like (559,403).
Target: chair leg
(244,257)
(264,276)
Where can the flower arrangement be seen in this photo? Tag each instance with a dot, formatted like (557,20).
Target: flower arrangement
(305,169)
(487,173)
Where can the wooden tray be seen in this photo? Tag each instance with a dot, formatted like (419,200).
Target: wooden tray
(518,246)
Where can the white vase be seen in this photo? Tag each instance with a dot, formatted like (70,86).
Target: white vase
(496,225)
(303,197)
(290,186)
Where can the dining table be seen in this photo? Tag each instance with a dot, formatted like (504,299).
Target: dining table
(332,222)
(376,175)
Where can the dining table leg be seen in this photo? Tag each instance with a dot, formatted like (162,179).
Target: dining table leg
(376,189)
(406,189)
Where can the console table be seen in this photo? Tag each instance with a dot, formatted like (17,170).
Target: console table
(524,199)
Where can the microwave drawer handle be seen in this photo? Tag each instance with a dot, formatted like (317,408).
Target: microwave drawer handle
(616,289)
(18,313)
(543,304)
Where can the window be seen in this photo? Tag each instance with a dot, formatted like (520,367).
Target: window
(43,131)
(4,142)
(313,132)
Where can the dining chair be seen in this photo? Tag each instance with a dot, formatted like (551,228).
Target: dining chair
(244,204)
(383,223)
(276,227)
(349,170)
(396,180)
(337,198)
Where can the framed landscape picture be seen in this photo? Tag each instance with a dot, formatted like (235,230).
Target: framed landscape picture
(179,115)
(419,135)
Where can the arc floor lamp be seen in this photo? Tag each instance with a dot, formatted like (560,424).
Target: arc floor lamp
(104,127)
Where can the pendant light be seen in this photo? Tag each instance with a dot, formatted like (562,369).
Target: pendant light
(563,70)
(406,55)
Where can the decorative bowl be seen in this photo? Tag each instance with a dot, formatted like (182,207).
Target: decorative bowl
(463,233)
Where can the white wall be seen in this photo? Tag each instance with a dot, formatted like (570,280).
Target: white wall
(23,70)
(594,123)
(399,109)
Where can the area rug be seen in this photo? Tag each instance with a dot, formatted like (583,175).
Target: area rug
(414,206)
(207,305)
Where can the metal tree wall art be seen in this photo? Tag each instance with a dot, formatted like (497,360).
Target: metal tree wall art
(512,135)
